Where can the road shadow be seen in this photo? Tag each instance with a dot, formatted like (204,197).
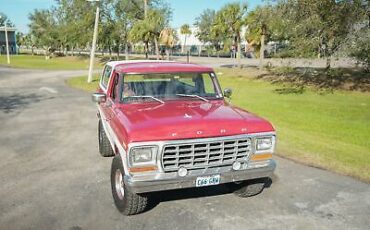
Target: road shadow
(15,102)
(191,193)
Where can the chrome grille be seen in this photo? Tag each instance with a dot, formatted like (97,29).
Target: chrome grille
(200,155)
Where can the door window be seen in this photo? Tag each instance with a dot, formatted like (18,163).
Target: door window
(116,88)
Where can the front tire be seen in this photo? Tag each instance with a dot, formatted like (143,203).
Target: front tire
(105,148)
(127,203)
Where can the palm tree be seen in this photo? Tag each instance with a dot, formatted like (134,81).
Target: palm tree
(257,21)
(140,33)
(229,21)
(185,30)
(148,30)
(168,38)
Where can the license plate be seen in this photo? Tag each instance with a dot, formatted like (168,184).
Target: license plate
(207,180)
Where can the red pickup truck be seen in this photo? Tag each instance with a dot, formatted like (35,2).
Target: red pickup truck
(168,126)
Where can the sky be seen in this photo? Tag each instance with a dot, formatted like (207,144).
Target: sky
(184,11)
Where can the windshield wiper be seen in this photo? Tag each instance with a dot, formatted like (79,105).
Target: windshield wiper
(144,96)
(192,95)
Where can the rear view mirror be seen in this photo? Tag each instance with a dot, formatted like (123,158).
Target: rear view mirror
(99,97)
(228,92)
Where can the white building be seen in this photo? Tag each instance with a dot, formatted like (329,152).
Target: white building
(12,42)
(192,40)
(193,44)
(188,40)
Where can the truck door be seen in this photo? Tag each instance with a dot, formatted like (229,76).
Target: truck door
(115,98)
(105,108)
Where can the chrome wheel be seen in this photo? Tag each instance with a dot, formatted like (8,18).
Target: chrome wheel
(119,185)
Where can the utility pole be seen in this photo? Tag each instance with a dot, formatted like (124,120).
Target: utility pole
(145,8)
(92,53)
(262,50)
(7,44)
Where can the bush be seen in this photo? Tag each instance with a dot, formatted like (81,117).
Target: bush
(284,70)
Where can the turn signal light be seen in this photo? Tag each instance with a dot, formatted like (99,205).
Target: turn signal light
(260,157)
(143,169)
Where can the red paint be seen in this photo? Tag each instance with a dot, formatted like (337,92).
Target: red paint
(184,120)
(177,119)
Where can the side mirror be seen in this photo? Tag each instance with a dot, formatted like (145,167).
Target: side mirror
(228,92)
(99,97)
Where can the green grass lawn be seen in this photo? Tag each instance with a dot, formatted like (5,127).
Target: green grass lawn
(81,83)
(39,62)
(330,131)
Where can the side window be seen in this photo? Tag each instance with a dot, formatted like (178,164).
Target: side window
(106,75)
(209,86)
(116,88)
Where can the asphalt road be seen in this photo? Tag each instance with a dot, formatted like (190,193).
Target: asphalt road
(52,176)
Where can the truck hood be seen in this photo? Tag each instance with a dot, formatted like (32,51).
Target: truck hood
(186,119)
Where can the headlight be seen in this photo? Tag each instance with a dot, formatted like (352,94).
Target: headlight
(143,155)
(265,144)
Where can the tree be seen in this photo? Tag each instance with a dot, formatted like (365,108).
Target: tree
(185,30)
(321,26)
(206,32)
(149,29)
(29,41)
(108,37)
(128,13)
(358,42)
(229,21)
(5,20)
(44,28)
(71,17)
(259,22)
(61,26)
(140,33)
(20,38)
(359,47)
(168,38)
(204,24)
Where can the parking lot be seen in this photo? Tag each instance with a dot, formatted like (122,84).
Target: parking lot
(52,176)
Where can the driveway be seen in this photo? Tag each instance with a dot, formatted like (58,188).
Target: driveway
(52,176)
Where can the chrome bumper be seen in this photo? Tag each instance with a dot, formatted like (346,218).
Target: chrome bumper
(169,181)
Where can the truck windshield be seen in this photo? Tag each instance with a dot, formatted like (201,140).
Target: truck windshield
(169,86)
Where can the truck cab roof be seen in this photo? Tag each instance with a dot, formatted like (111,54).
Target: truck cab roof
(155,66)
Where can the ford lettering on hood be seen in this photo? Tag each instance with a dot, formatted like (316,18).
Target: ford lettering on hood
(187,119)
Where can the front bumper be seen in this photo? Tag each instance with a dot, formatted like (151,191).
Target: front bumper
(169,181)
